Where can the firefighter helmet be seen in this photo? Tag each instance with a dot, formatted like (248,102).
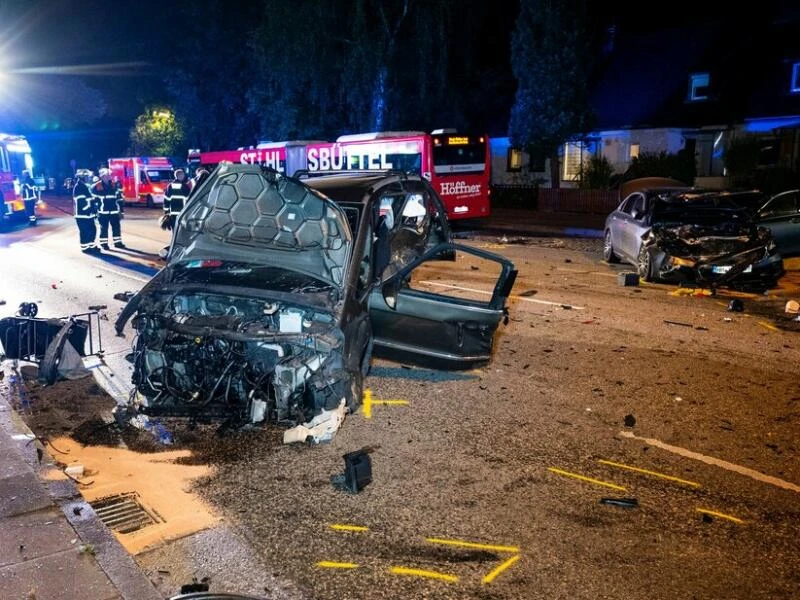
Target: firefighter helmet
(84,174)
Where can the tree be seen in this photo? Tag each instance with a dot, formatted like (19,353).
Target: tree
(680,166)
(156,133)
(596,173)
(550,61)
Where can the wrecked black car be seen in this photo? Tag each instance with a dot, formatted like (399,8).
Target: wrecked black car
(690,235)
(277,291)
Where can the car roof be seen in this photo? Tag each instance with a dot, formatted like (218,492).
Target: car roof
(353,187)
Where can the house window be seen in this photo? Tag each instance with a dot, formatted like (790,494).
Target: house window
(795,89)
(698,86)
(634,151)
(514,162)
(573,159)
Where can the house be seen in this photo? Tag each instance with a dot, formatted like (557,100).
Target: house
(695,88)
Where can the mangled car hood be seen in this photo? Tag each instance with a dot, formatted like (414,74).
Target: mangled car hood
(243,214)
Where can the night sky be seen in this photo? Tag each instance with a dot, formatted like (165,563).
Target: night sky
(137,39)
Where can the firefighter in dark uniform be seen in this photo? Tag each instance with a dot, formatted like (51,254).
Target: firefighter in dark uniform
(109,200)
(85,212)
(29,197)
(174,199)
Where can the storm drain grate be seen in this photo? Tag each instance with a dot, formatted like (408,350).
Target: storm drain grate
(123,513)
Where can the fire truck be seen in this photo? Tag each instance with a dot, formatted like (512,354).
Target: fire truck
(15,157)
(457,165)
(143,178)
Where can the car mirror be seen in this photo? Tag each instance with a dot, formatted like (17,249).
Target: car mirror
(390,286)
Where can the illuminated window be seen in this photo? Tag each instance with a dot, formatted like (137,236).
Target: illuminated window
(573,159)
(634,151)
(795,89)
(514,163)
(698,86)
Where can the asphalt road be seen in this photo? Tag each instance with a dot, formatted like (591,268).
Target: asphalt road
(488,484)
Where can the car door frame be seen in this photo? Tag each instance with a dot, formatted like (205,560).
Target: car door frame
(428,329)
(784,221)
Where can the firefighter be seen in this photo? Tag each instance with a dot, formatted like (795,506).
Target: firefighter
(29,196)
(85,212)
(174,199)
(108,199)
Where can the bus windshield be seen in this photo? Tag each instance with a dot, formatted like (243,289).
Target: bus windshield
(462,159)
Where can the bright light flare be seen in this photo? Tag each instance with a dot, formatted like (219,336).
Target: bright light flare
(118,69)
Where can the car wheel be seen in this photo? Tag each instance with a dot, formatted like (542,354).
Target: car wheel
(149,203)
(355,392)
(645,264)
(608,249)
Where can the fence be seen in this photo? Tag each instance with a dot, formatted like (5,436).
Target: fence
(555,199)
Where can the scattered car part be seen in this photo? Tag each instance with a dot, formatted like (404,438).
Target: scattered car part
(736,305)
(621,502)
(626,279)
(792,307)
(357,471)
(630,421)
(321,428)
(124,296)
(668,322)
(28,309)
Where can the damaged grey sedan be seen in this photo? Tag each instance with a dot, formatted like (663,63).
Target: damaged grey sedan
(278,291)
(687,235)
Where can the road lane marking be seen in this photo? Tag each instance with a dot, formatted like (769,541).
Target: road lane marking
(710,460)
(341,527)
(646,472)
(472,545)
(326,564)
(613,486)
(766,325)
(421,573)
(720,515)
(494,574)
(485,293)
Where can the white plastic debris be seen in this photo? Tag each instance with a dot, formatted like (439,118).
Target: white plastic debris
(74,470)
(321,428)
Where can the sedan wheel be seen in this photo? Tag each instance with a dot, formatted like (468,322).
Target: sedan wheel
(608,249)
(645,265)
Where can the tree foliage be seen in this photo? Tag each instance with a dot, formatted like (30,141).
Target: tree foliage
(156,133)
(550,61)
(596,173)
(680,166)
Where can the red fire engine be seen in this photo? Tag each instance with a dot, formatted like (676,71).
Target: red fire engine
(15,157)
(143,178)
(456,165)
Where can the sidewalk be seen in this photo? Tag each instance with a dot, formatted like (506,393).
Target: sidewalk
(508,221)
(52,545)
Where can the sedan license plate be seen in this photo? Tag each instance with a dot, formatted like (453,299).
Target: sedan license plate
(722,269)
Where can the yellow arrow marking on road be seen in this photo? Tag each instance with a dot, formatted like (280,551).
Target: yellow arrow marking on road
(646,472)
(494,574)
(586,479)
(340,527)
(369,403)
(421,573)
(326,564)
(473,545)
(720,515)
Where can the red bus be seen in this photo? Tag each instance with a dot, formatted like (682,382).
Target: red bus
(456,165)
(15,157)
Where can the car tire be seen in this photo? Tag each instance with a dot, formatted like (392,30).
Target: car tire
(644,264)
(149,202)
(355,392)
(608,249)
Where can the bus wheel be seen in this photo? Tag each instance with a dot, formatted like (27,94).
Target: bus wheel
(150,203)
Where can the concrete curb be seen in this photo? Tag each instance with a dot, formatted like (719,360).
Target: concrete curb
(114,561)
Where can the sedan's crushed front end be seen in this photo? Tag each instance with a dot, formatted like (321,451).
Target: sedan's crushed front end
(716,253)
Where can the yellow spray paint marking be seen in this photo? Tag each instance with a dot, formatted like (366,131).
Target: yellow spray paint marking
(326,564)
(766,325)
(494,574)
(340,527)
(474,545)
(421,573)
(587,479)
(646,472)
(720,515)
(369,403)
